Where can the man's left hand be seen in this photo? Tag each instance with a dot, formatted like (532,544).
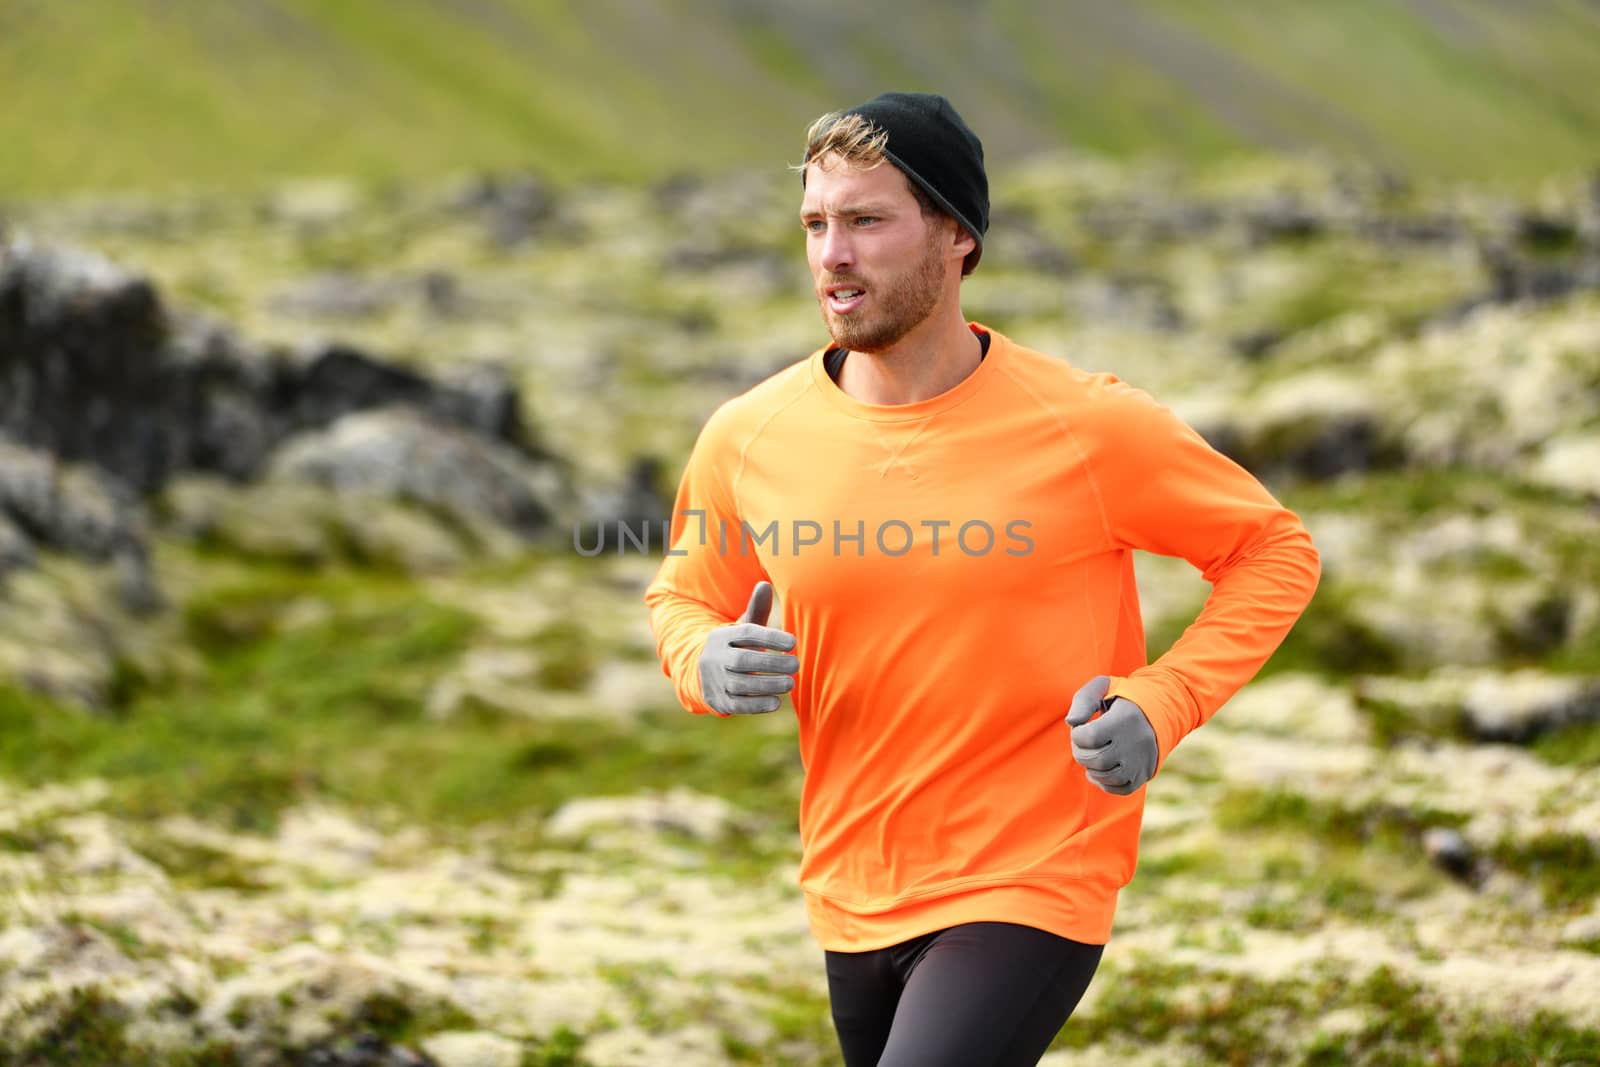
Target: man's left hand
(1118,750)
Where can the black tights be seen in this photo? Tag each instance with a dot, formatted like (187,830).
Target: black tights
(975,995)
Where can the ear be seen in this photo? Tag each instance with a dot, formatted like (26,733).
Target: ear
(962,241)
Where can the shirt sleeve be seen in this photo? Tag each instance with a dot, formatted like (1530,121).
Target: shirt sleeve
(704,581)
(1165,490)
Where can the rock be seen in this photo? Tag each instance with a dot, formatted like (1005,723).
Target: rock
(1524,704)
(16,551)
(1584,930)
(472,1048)
(93,369)
(67,506)
(388,533)
(481,397)
(312,996)
(336,295)
(1488,705)
(334,380)
(79,510)
(512,207)
(1315,425)
(1569,463)
(365,1050)
(1295,706)
(705,818)
(308,523)
(639,505)
(1282,218)
(1449,851)
(286,521)
(81,367)
(400,454)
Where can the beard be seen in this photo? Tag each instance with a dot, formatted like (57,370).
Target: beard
(900,304)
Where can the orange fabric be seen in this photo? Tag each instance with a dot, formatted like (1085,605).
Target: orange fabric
(935,675)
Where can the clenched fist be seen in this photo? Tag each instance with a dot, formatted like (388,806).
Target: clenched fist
(1118,750)
(736,676)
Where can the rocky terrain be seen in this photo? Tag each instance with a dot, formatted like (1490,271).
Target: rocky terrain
(322,744)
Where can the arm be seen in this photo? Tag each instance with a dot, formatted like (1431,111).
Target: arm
(700,587)
(1165,490)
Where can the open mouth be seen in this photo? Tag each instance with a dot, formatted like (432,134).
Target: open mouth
(845,299)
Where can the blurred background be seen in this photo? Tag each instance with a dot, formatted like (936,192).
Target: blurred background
(339,340)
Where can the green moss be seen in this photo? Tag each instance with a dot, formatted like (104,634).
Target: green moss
(1391,721)
(198,866)
(567,657)
(1155,865)
(1270,809)
(1223,1019)
(1573,745)
(563,1048)
(396,1021)
(1330,640)
(32,836)
(1566,866)
(126,939)
(87,1028)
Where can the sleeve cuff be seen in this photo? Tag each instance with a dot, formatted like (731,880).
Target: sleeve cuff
(1164,719)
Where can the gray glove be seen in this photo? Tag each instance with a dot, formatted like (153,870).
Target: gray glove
(736,681)
(1118,750)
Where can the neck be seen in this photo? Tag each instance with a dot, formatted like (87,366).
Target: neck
(932,359)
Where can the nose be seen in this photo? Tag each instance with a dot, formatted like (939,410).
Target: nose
(837,253)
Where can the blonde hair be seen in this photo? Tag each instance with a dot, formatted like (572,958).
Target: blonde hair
(856,141)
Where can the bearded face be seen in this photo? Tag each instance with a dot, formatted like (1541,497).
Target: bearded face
(880,267)
(894,301)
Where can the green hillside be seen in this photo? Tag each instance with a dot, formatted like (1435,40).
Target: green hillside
(154,93)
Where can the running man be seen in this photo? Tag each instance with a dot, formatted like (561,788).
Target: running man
(949,520)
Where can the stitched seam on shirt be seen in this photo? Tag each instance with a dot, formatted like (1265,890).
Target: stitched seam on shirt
(894,457)
(1083,457)
(1094,485)
(759,430)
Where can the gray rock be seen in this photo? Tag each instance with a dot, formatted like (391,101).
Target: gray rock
(336,295)
(366,1050)
(1316,425)
(639,505)
(513,208)
(68,506)
(1524,704)
(16,551)
(81,366)
(298,522)
(401,454)
(1449,851)
(92,368)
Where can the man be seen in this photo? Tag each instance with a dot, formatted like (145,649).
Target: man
(949,519)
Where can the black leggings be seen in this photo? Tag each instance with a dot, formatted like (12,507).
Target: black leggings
(974,995)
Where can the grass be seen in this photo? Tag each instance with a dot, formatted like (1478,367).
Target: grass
(1566,866)
(164,95)
(1274,809)
(87,1028)
(1331,641)
(1240,1020)
(334,708)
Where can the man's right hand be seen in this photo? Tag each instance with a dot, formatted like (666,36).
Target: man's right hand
(735,678)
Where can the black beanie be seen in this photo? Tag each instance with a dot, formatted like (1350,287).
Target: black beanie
(938,151)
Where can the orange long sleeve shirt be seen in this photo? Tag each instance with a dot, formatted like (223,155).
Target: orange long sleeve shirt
(953,570)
